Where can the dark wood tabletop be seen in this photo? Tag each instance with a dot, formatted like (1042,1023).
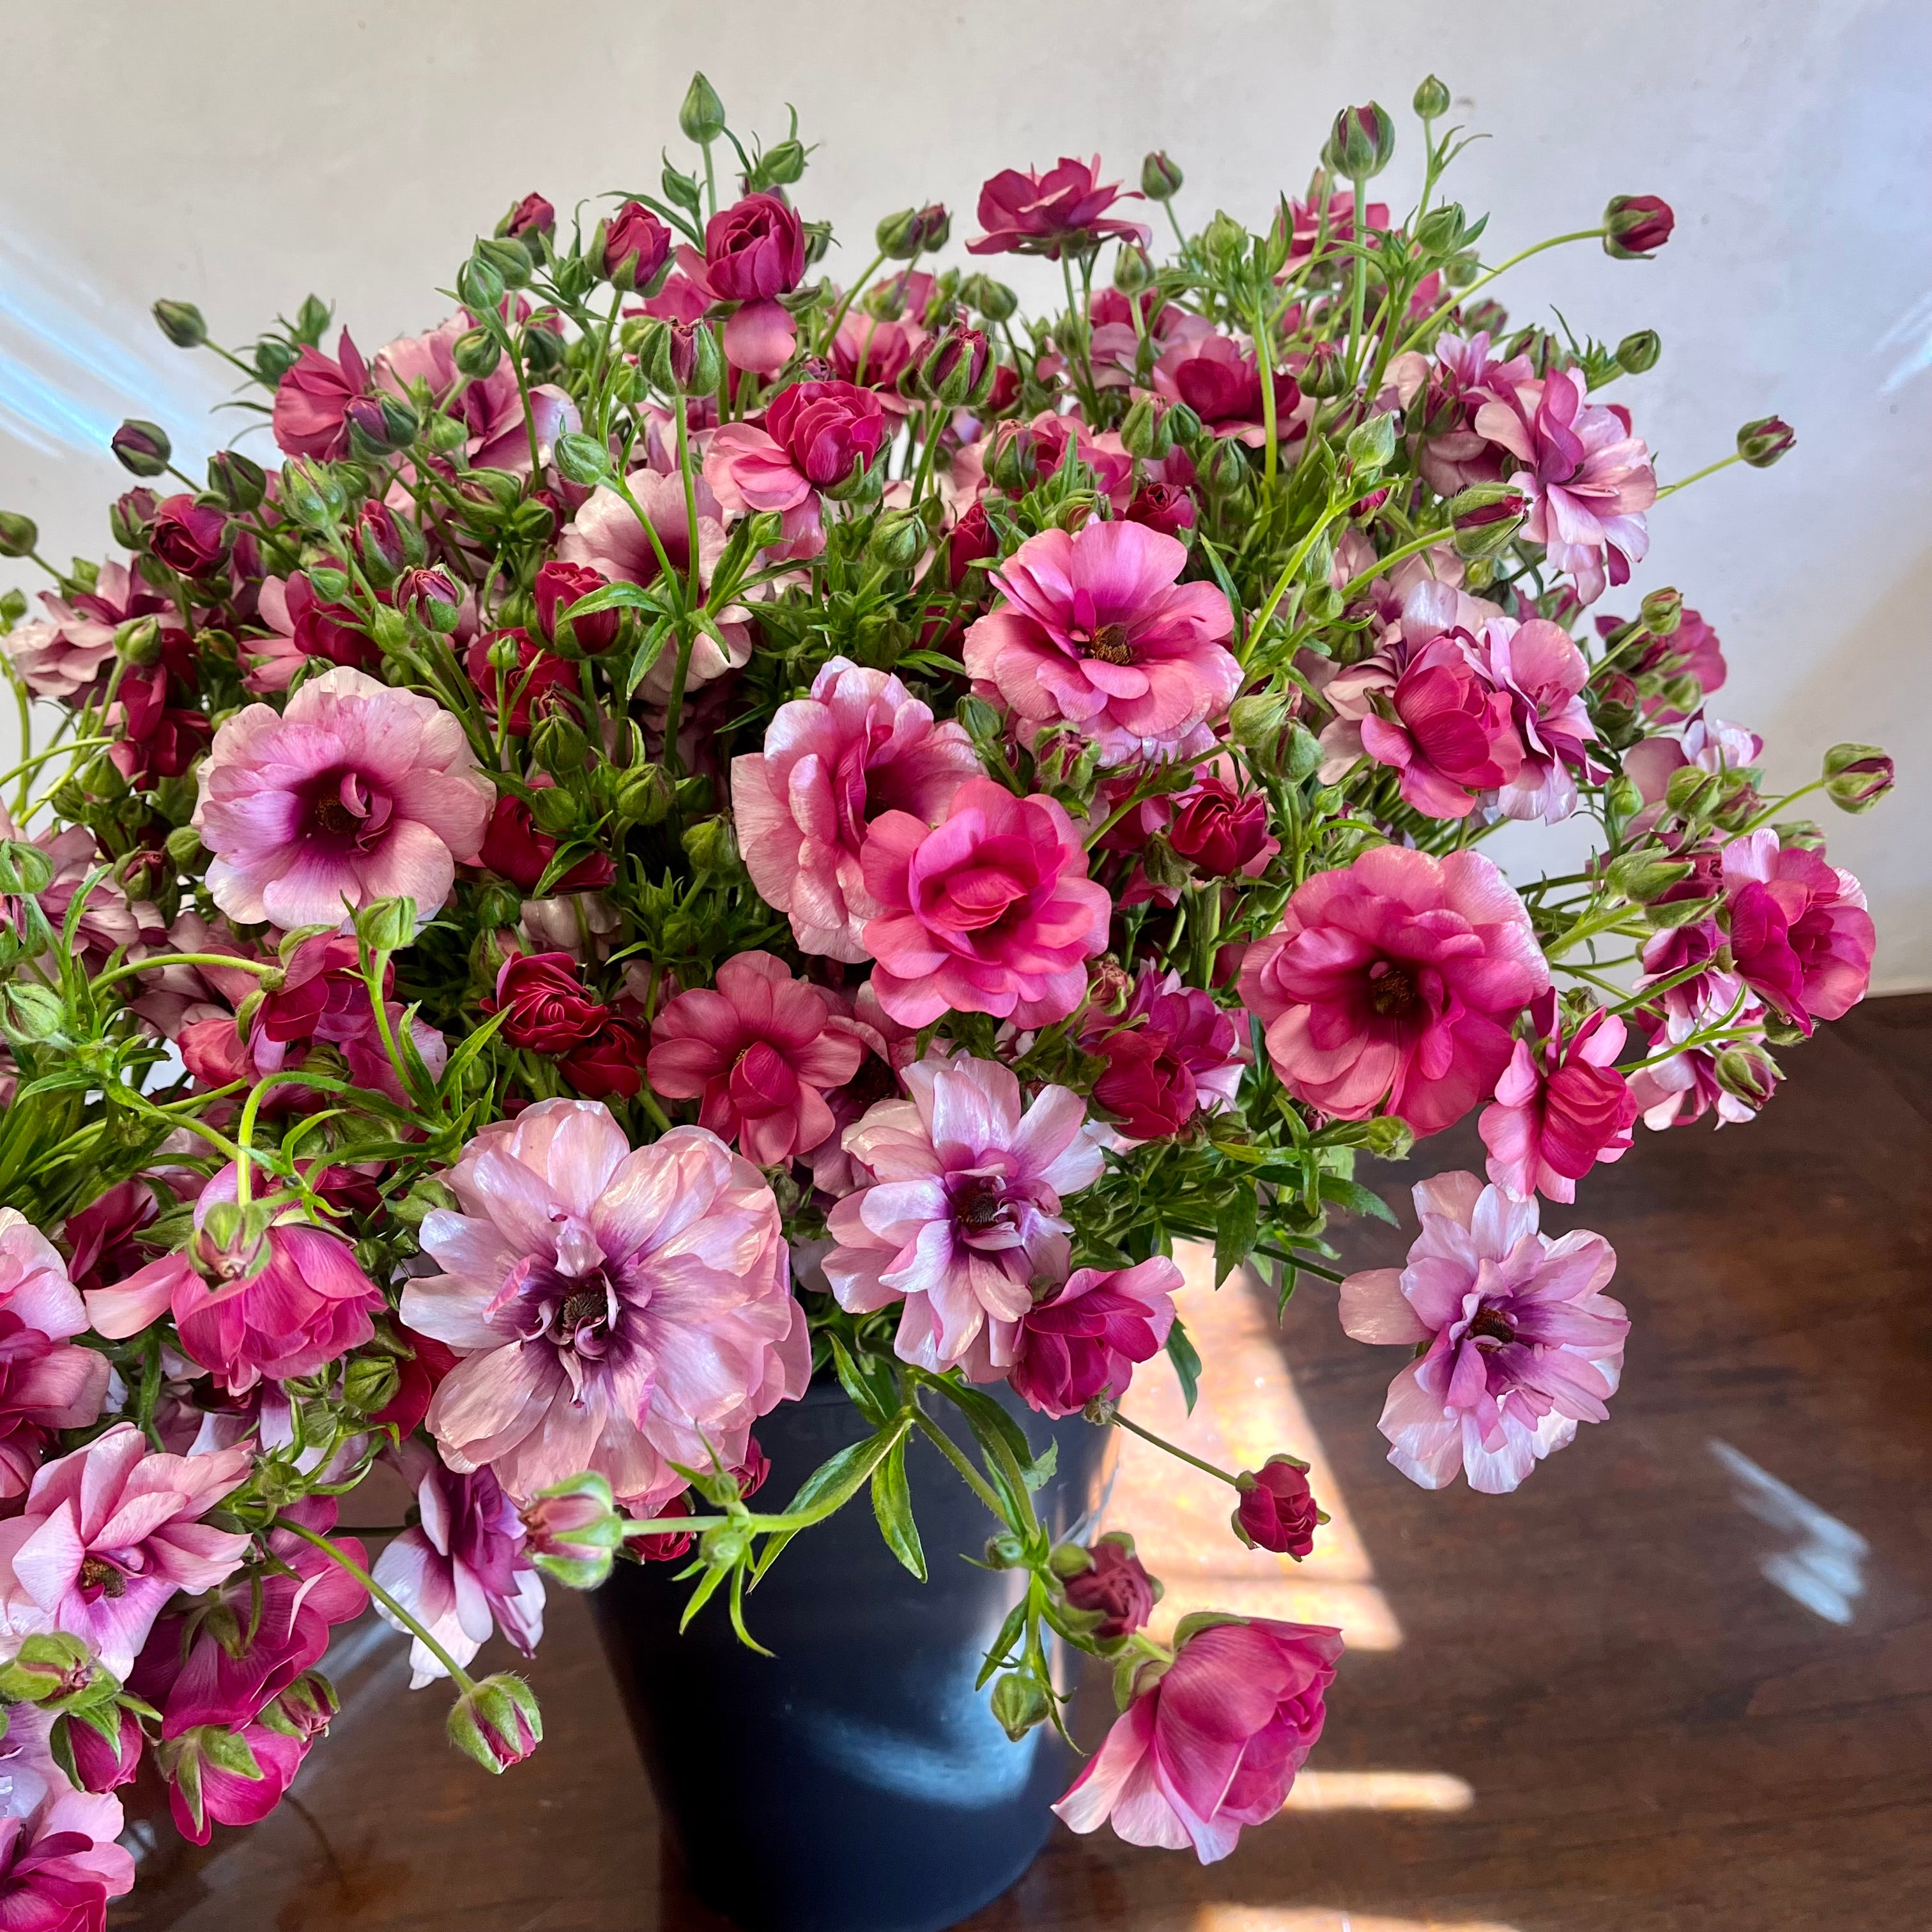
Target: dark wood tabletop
(1682,1678)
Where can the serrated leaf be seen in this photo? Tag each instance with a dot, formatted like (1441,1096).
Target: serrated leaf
(892,1503)
(1040,1471)
(1235,1231)
(1002,1646)
(1186,1361)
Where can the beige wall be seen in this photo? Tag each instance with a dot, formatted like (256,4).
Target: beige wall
(239,154)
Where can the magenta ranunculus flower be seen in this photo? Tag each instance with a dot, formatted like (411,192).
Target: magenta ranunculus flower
(991,911)
(1213,1742)
(312,401)
(759,1049)
(358,791)
(1220,381)
(1394,981)
(815,436)
(59,1864)
(462,1571)
(615,1310)
(46,1383)
(1277,1509)
(1588,478)
(1538,665)
(1032,214)
(1519,1344)
(755,251)
(1085,1338)
(1171,1053)
(860,745)
(108,1534)
(1798,927)
(1561,1105)
(1096,632)
(964,1215)
(1453,734)
(1116,1585)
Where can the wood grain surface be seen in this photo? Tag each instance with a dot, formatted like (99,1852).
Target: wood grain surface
(1682,1679)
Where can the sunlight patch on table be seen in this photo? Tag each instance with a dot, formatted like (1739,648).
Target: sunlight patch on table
(1248,1410)
(1379,1791)
(1324,1918)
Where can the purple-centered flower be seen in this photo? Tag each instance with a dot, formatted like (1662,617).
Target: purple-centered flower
(358,791)
(108,1534)
(462,1571)
(1538,665)
(615,1310)
(964,1216)
(1519,1344)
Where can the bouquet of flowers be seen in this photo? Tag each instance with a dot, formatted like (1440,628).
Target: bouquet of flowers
(713,824)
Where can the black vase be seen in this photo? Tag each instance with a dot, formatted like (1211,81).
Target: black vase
(855,1780)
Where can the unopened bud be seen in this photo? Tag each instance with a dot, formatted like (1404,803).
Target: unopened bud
(1763,442)
(180,322)
(141,448)
(580,459)
(985,296)
(702,116)
(510,260)
(496,1722)
(1639,351)
(1360,145)
(387,925)
(1256,721)
(138,642)
(1487,517)
(1161,177)
(56,1671)
(644,794)
(1747,1073)
(897,539)
(1132,270)
(1857,776)
(24,868)
(711,845)
(1662,611)
(1692,791)
(476,353)
(1020,1702)
(1636,225)
(1145,431)
(378,424)
(912,231)
(572,1530)
(1642,877)
(682,358)
(1371,444)
(1431,99)
(18,534)
(240,482)
(479,283)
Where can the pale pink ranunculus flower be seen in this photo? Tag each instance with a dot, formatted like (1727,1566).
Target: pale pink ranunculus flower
(991,911)
(760,1050)
(1538,664)
(1391,984)
(1095,632)
(1587,477)
(1561,1105)
(61,655)
(358,791)
(461,1570)
(1213,1743)
(606,536)
(1518,1344)
(492,406)
(46,1383)
(108,1534)
(614,1309)
(964,1214)
(860,745)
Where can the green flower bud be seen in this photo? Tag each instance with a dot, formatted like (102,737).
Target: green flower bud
(1639,351)
(556,811)
(476,353)
(239,482)
(1662,611)
(1145,431)
(1748,1073)
(370,1383)
(1020,1702)
(311,493)
(1693,792)
(24,868)
(141,448)
(681,359)
(1361,142)
(1624,797)
(32,1014)
(1371,444)
(1256,720)
(544,351)
(702,116)
(387,925)
(479,283)
(510,260)
(780,166)
(496,1722)
(1389,1138)
(56,1671)
(580,459)
(1765,442)
(180,322)
(138,642)
(711,845)
(1642,877)
(1161,177)
(643,794)
(18,534)
(897,538)
(1444,230)
(1665,915)
(274,357)
(572,1530)
(913,232)
(1132,270)
(986,297)
(1431,99)
(184,849)
(1857,776)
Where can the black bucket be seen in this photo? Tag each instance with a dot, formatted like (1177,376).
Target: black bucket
(855,1781)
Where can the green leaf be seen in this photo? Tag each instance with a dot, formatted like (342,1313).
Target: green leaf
(1186,1361)
(1002,1646)
(702,1595)
(1040,1471)
(1354,1198)
(858,1376)
(1234,1230)
(646,654)
(892,1503)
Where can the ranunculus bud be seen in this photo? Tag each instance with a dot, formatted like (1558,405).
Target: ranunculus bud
(955,367)
(20,534)
(239,481)
(1164,507)
(682,358)
(580,458)
(1115,1584)
(1644,877)
(1161,177)
(1020,1701)
(431,597)
(1662,611)
(559,585)
(1763,442)
(1325,374)
(141,448)
(1277,1509)
(1257,719)
(985,296)
(54,1670)
(24,868)
(711,845)
(102,1764)
(138,642)
(476,353)
(702,116)
(1219,830)
(384,926)
(1431,99)
(545,1003)
(1639,351)
(636,244)
(497,1722)
(573,1530)
(913,232)
(1857,776)
(1360,145)
(510,259)
(533,215)
(479,283)
(1636,225)
(1748,1073)
(189,537)
(378,424)
(897,539)
(180,322)
(311,493)
(1145,432)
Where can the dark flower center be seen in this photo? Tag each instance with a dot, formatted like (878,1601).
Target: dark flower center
(100,1578)
(332,815)
(1491,1324)
(980,1205)
(1109,644)
(1391,992)
(583,1316)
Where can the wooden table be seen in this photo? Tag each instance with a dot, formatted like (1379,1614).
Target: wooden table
(1683,1677)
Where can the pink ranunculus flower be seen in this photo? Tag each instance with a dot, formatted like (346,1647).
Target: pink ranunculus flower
(1220,381)
(46,1383)
(356,792)
(1085,1339)
(1213,1742)
(1589,479)
(1538,665)
(1394,982)
(860,745)
(615,1310)
(759,1049)
(755,251)
(1812,912)
(1561,1105)
(815,436)
(59,1864)
(1171,1053)
(1031,214)
(288,1308)
(1095,631)
(1518,1342)
(108,1534)
(61,656)
(1453,734)
(311,417)
(964,1215)
(462,1572)
(991,911)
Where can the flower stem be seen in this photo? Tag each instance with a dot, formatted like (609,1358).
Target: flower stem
(1698,475)
(1173,1449)
(1462,296)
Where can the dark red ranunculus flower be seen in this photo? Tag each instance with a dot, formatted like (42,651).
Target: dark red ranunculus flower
(827,429)
(1117,1585)
(514,849)
(612,1063)
(636,244)
(531,688)
(754,250)
(1277,1511)
(544,1002)
(1162,507)
(1221,831)
(559,585)
(189,537)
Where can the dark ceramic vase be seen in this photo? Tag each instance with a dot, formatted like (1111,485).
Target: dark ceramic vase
(855,1780)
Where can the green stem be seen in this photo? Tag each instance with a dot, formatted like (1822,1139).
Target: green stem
(1264,339)
(160,959)
(1698,475)
(1462,296)
(846,300)
(954,1454)
(1173,1449)
(1360,185)
(1292,568)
